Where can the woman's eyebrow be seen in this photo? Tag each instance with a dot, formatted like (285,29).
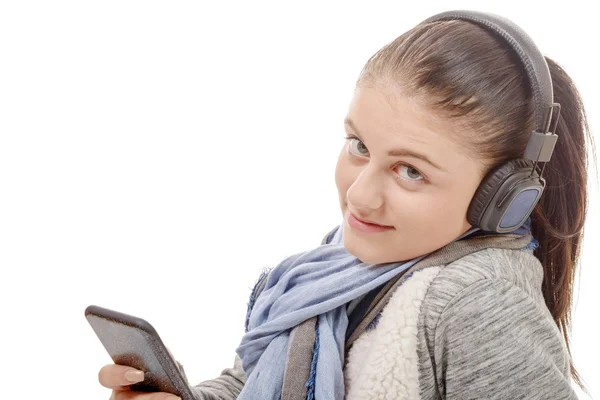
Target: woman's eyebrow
(396,152)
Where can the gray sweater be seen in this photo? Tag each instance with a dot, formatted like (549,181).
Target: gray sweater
(480,330)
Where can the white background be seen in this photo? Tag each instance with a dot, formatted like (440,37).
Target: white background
(154,156)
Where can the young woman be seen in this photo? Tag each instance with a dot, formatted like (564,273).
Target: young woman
(477,298)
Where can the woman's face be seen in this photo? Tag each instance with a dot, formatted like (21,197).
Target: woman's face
(423,204)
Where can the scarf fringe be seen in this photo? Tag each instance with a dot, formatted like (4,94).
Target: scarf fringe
(310,384)
(264,272)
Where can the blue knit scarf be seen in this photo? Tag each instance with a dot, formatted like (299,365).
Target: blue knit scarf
(319,282)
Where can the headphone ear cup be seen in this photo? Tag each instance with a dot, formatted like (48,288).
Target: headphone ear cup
(490,185)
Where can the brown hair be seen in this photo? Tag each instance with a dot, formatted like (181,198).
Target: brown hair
(471,77)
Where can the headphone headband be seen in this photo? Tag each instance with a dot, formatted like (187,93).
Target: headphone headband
(541,143)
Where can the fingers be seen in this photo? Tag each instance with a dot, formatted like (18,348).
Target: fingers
(115,376)
(119,377)
(143,396)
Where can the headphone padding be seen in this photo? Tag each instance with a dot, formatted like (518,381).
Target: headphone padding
(490,185)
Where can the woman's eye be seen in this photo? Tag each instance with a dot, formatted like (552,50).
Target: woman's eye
(361,149)
(409,173)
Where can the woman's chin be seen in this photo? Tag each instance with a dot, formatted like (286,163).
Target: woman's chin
(357,249)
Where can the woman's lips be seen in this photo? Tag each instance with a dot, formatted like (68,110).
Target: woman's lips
(366,226)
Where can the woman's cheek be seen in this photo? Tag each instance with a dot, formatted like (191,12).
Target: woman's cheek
(345,175)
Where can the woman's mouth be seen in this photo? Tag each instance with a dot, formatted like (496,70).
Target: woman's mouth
(364,226)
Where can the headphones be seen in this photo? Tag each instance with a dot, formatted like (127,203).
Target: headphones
(507,195)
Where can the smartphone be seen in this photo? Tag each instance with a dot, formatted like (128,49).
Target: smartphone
(134,342)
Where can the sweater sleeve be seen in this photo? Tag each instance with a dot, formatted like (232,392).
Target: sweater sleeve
(225,387)
(493,341)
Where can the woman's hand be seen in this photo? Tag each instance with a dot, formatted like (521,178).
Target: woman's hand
(119,377)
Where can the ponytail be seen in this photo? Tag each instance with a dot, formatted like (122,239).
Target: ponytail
(557,221)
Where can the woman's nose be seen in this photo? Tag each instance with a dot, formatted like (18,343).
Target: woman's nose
(366,193)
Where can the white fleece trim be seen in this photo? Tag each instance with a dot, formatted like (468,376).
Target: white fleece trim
(383,362)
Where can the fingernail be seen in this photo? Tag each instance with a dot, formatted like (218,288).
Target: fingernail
(134,375)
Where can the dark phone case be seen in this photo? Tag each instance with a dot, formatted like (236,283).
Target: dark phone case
(134,342)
